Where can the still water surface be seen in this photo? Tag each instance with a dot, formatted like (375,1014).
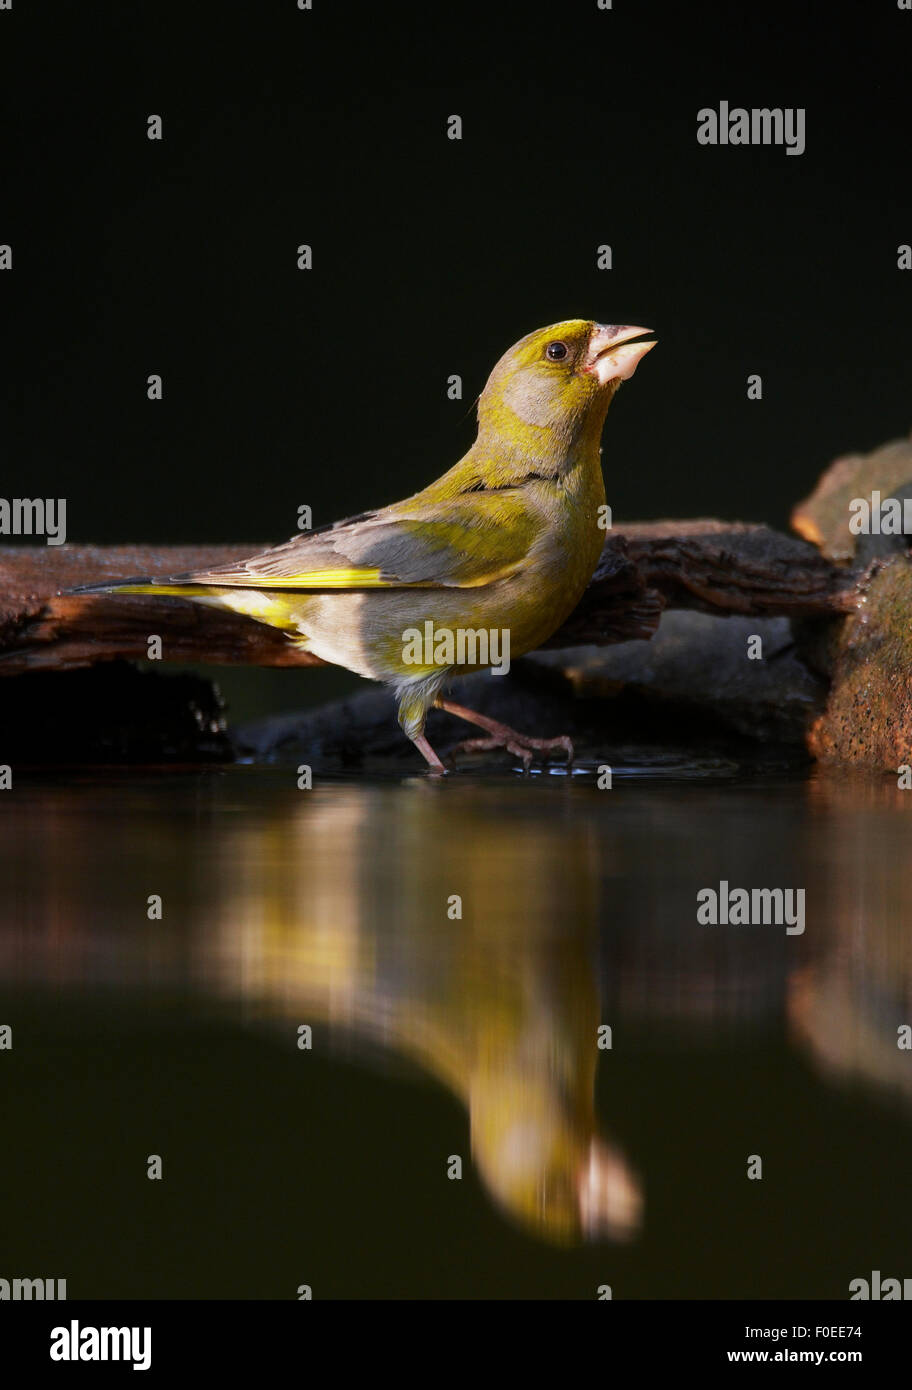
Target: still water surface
(438,1037)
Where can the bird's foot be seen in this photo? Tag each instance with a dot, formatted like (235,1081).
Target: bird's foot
(520,745)
(435,766)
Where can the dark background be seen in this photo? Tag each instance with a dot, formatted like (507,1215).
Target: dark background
(328,387)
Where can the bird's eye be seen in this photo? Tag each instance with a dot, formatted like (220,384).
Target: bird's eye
(556,352)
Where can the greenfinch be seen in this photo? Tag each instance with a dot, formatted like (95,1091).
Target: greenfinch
(488,560)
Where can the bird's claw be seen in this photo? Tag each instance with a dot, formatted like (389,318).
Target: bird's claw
(520,745)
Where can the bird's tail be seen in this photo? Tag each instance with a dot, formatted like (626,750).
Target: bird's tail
(180,586)
(279,610)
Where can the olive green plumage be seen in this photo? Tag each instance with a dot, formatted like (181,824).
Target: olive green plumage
(508,539)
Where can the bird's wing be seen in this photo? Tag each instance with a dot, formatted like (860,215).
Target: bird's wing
(456,543)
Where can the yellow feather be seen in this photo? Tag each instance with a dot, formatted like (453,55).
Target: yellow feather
(318,579)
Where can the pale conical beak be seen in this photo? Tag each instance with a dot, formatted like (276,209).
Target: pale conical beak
(610,1194)
(612,356)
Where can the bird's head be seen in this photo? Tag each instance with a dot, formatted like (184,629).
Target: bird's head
(561,378)
(541,1160)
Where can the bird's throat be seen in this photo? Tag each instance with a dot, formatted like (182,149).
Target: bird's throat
(510,450)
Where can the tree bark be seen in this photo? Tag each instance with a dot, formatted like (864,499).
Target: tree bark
(712,566)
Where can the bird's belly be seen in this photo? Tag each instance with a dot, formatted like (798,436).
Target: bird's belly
(402,634)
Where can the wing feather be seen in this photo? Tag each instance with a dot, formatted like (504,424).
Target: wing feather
(456,543)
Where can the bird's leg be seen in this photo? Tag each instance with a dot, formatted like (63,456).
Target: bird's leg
(502,736)
(427,752)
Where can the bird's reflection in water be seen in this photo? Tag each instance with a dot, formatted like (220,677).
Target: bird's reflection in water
(484,931)
(464,941)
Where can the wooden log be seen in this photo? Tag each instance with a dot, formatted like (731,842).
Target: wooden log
(716,567)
